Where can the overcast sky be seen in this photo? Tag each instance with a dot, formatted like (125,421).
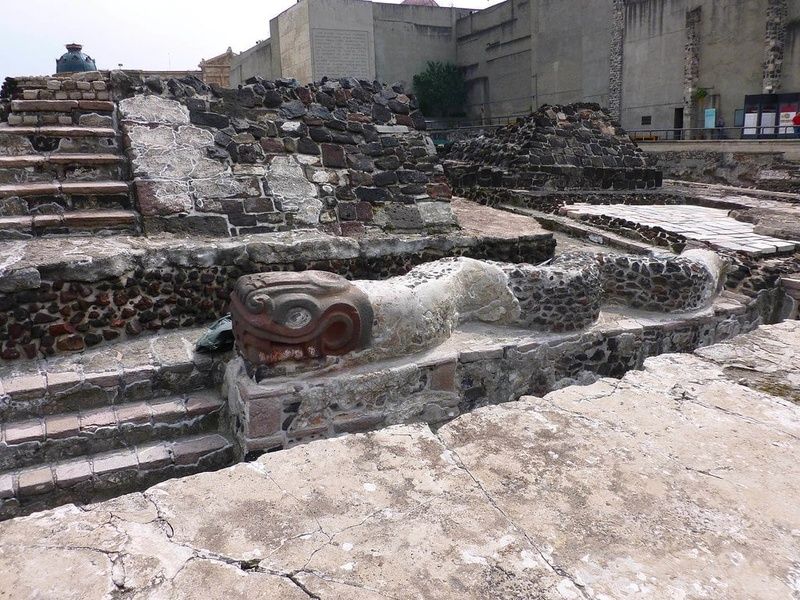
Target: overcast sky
(139,34)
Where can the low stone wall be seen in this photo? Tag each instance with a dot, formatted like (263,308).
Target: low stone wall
(347,157)
(762,170)
(317,320)
(477,366)
(564,295)
(129,289)
(575,146)
(553,201)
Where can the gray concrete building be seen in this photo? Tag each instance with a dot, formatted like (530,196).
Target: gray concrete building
(657,64)
(354,38)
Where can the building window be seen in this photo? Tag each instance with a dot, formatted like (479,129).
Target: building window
(648,120)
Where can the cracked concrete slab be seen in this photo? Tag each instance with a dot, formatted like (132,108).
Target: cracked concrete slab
(677,481)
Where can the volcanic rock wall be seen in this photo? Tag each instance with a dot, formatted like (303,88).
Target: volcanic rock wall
(576,146)
(346,157)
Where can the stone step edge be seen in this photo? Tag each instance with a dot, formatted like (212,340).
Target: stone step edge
(33,160)
(78,218)
(785,247)
(583,231)
(183,452)
(87,422)
(30,106)
(91,188)
(60,131)
(36,385)
(38,378)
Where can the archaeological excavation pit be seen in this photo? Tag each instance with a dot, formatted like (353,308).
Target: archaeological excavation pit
(374,285)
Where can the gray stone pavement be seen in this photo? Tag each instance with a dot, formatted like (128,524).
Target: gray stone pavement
(709,225)
(677,481)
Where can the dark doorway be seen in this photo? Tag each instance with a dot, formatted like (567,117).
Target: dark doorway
(677,123)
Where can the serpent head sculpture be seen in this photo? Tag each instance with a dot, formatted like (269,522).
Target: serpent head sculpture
(285,316)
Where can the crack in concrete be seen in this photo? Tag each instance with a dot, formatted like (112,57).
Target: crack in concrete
(329,579)
(166,526)
(687,396)
(293,578)
(558,570)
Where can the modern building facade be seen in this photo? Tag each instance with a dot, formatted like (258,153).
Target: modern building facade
(352,38)
(657,64)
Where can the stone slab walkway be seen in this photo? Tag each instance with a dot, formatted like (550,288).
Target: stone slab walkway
(678,481)
(480,220)
(709,225)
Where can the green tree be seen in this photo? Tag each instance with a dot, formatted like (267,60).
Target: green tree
(441,90)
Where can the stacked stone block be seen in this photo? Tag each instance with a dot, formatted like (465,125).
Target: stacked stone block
(774,42)
(142,288)
(575,146)
(67,99)
(60,167)
(100,424)
(437,386)
(346,157)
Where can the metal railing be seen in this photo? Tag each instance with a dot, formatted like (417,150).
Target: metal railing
(465,122)
(717,133)
(643,135)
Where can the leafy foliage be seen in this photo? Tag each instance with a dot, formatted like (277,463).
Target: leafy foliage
(700,94)
(441,90)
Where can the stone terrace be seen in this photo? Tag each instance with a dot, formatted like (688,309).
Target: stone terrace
(62,169)
(710,225)
(675,481)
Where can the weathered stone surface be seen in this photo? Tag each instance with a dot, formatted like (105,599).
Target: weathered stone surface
(246,134)
(23,279)
(288,182)
(674,482)
(153,109)
(163,197)
(167,153)
(95,120)
(15,145)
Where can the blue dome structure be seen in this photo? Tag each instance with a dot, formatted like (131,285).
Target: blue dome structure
(75,61)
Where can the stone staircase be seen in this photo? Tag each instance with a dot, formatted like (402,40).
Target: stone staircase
(81,428)
(62,169)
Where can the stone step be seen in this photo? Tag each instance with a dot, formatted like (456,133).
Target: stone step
(62,106)
(77,159)
(24,141)
(70,222)
(113,221)
(90,431)
(91,478)
(84,188)
(133,369)
(60,131)
(43,168)
(581,231)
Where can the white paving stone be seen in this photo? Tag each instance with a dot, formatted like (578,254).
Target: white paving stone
(709,225)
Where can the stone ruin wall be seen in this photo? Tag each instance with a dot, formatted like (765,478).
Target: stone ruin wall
(276,407)
(576,146)
(65,307)
(771,171)
(346,157)
(436,390)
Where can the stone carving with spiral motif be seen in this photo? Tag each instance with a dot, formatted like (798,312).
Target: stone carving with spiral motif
(298,316)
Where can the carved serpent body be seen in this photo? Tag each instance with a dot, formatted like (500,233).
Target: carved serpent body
(287,316)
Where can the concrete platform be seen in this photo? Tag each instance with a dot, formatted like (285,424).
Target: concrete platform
(711,226)
(678,481)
